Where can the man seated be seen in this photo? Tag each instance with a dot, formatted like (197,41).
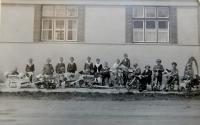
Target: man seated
(173,76)
(48,68)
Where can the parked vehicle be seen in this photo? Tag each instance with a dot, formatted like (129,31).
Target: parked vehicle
(46,81)
(18,81)
(133,81)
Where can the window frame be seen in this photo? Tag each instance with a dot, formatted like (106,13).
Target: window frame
(139,29)
(156,19)
(164,31)
(67,30)
(55,29)
(54,18)
(42,30)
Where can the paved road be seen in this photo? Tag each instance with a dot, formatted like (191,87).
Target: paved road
(71,112)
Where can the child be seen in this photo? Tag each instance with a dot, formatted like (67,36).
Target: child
(71,67)
(60,67)
(158,69)
(105,74)
(48,68)
(88,66)
(136,69)
(30,68)
(115,66)
(147,77)
(173,74)
(126,61)
(98,66)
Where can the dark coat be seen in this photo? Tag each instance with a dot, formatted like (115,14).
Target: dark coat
(126,62)
(147,76)
(60,68)
(48,69)
(98,69)
(30,68)
(88,67)
(71,68)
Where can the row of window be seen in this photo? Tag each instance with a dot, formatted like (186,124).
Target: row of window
(149,24)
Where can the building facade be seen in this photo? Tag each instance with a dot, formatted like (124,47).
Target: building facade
(145,29)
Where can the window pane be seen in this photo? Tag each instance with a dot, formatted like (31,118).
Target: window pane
(138,12)
(60,24)
(59,35)
(47,24)
(150,12)
(163,36)
(150,36)
(138,24)
(138,35)
(47,35)
(150,24)
(72,24)
(163,24)
(71,35)
(163,12)
(72,11)
(48,10)
(59,11)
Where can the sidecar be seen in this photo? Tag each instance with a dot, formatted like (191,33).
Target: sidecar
(18,81)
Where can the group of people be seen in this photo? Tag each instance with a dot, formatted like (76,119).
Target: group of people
(104,71)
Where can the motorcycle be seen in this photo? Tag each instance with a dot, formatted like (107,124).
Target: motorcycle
(116,78)
(134,81)
(18,81)
(172,81)
(45,81)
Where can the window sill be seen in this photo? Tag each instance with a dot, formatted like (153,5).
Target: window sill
(93,43)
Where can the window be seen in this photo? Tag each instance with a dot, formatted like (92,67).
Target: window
(138,30)
(150,24)
(59,23)
(150,12)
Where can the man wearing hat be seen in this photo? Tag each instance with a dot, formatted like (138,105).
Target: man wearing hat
(158,69)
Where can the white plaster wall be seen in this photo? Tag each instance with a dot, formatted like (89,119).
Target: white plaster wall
(16,55)
(105,24)
(17,23)
(187,21)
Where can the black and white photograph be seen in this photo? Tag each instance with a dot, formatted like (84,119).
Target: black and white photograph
(99,62)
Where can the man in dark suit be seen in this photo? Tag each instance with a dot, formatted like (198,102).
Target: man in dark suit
(147,77)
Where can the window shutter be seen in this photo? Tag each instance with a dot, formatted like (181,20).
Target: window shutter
(173,36)
(81,24)
(37,23)
(129,27)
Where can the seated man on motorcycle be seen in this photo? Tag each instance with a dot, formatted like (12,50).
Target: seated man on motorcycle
(173,76)
(134,79)
(126,63)
(114,73)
